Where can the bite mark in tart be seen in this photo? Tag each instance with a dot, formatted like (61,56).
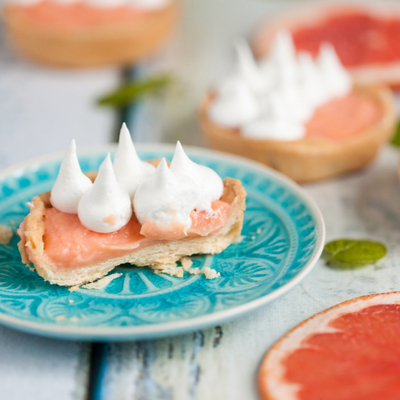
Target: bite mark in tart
(282,113)
(65,252)
(82,34)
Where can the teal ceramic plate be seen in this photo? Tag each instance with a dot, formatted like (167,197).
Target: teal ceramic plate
(283,236)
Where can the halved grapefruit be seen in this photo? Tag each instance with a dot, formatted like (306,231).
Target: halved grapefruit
(348,352)
(366,37)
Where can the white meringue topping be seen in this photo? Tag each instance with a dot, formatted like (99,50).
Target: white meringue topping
(279,94)
(129,170)
(106,206)
(235,103)
(248,68)
(209,183)
(71,183)
(338,82)
(283,56)
(166,198)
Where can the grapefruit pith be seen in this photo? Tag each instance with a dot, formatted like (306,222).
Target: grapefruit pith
(348,352)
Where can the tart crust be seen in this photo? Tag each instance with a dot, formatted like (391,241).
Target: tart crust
(105,44)
(311,158)
(31,245)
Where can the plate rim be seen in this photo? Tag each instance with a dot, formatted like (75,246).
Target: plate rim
(165,329)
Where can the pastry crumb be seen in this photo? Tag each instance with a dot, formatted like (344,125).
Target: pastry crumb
(240,239)
(186,263)
(258,230)
(6,234)
(210,273)
(169,269)
(70,301)
(61,318)
(194,271)
(101,283)
(73,288)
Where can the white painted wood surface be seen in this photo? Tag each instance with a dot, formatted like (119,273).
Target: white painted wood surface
(41,110)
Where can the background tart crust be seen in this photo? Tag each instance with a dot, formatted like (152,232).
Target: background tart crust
(31,245)
(106,44)
(311,158)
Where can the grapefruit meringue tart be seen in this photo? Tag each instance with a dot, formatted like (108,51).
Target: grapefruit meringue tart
(89,33)
(130,211)
(301,115)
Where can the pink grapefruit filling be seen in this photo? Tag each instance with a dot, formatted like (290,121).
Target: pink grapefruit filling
(344,117)
(341,118)
(76,15)
(69,245)
(359,361)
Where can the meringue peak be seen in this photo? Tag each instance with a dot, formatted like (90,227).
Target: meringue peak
(248,68)
(337,79)
(129,170)
(234,103)
(71,183)
(163,174)
(106,206)
(166,198)
(209,183)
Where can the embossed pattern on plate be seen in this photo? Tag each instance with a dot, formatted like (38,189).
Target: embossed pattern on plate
(282,239)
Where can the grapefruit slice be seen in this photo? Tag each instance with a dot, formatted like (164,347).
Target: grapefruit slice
(366,37)
(348,352)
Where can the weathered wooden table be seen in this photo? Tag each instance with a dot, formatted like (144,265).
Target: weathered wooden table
(41,110)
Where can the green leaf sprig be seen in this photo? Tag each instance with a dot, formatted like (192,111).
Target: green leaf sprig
(132,90)
(348,253)
(395,141)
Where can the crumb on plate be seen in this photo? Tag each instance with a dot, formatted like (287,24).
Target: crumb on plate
(186,263)
(170,269)
(101,283)
(6,234)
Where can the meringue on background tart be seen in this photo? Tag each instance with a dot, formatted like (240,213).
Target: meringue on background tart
(301,115)
(89,33)
(90,223)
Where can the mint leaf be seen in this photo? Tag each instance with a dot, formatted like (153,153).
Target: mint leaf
(132,90)
(354,252)
(395,141)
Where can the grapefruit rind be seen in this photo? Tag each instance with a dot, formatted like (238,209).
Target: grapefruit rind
(271,379)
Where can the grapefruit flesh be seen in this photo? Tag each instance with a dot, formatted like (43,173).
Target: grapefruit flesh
(359,38)
(348,352)
(75,15)
(68,244)
(344,117)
